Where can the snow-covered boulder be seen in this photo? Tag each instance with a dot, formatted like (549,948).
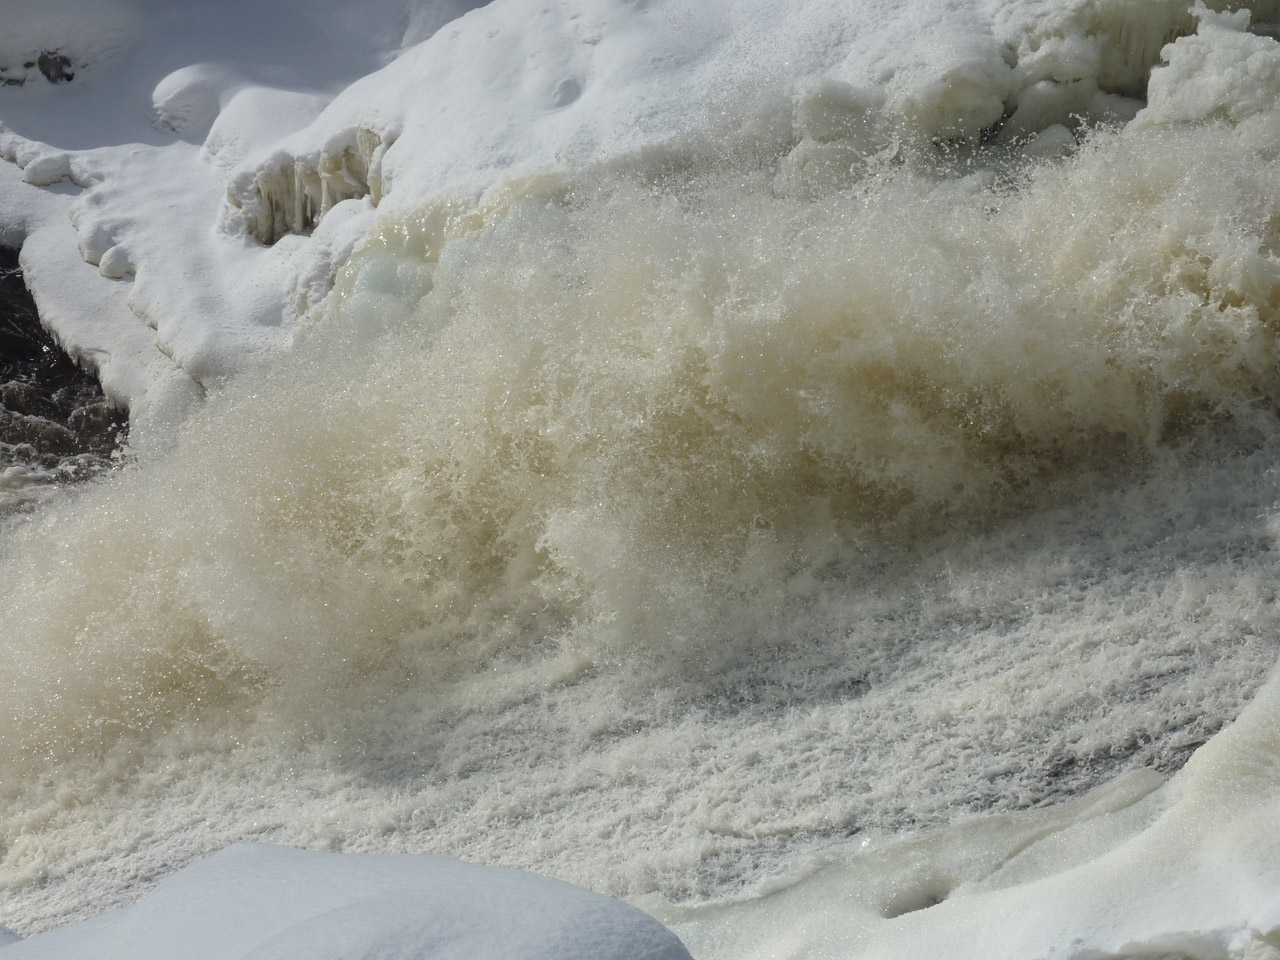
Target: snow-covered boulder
(259,901)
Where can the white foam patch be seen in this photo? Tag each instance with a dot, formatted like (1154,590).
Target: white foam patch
(1187,871)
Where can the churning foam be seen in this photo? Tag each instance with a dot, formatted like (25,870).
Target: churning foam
(649,526)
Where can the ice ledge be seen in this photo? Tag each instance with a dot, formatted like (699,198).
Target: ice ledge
(91,318)
(289,194)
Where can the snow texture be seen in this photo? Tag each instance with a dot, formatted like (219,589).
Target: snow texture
(252,900)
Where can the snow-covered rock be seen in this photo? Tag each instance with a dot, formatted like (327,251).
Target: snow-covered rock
(257,901)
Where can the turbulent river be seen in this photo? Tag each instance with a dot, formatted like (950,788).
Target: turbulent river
(664,527)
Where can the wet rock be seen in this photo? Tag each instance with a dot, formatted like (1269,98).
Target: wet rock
(24,398)
(55,423)
(44,435)
(53,65)
(97,425)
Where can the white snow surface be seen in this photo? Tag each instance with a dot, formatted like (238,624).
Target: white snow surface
(122,247)
(253,900)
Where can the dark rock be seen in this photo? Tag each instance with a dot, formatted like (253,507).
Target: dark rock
(42,434)
(55,66)
(25,398)
(53,415)
(96,424)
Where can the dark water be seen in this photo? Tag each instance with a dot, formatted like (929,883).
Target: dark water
(55,422)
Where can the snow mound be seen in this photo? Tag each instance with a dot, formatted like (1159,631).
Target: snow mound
(254,900)
(188,100)
(1222,72)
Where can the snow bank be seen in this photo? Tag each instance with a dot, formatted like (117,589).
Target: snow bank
(122,168)
(252,900)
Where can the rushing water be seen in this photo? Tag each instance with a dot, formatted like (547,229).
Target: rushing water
(660,528)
